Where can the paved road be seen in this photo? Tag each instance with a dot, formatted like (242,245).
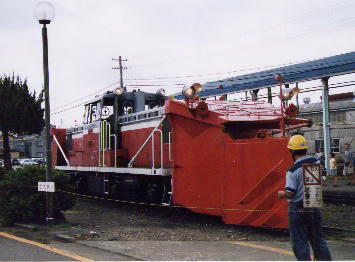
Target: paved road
(14,250)
(214,250)
(18,249)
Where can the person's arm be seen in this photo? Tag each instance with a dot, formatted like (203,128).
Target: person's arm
(290,190)
(285,194)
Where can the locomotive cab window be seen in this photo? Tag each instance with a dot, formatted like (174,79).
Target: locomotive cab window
(107,106)
(91,112)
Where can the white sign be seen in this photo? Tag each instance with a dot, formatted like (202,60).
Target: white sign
(46,186)
(105,112)
(312,181)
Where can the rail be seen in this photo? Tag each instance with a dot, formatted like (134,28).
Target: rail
(141,116)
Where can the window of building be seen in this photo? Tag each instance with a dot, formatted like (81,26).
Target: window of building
(39,154)
(40,143)
(337,116)
(334,145)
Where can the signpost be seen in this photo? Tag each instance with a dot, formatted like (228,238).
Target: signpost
(312,179)
(46,186)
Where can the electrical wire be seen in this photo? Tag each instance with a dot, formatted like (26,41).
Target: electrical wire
(239,70)
(310,89)
(267,74)
(89,95)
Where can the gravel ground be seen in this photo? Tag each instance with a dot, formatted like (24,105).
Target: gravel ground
(117,221)
(341,216)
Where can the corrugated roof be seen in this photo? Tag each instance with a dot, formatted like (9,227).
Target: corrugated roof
(335,105)
(316,69)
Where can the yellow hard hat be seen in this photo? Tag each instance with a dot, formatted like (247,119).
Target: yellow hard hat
(297,142)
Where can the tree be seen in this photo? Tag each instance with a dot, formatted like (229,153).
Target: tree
(20,112)
(20,200)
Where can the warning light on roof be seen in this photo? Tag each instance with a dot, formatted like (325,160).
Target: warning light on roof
(119,91)
(190,92)
(160,91)
(288,93)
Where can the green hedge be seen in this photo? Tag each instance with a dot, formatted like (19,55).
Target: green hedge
(2,172)
(21,202)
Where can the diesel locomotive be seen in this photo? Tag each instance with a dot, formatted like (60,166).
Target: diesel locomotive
(226,158)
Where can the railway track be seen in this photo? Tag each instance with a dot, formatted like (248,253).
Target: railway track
(338,229)
(142,222)
(339,197)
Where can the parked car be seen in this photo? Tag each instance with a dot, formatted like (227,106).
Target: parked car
(39,161)
(15,162)
(21,160)
(28,162)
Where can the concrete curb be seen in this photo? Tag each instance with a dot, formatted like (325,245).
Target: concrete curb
(65,238)
(352,240)
(25,226)
(91,245)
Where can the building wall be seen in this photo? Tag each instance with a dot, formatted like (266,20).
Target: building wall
(342,125)
(343,133)
(31,146)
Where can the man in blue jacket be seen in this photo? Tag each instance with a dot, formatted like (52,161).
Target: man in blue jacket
(304,223)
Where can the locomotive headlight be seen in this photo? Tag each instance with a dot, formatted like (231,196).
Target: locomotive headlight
(119,91)
(160,91)
(190,92)
(288,93)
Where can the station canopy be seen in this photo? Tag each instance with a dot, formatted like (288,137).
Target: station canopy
(311,70)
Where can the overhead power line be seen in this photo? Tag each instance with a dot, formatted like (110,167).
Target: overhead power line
(87,96)
(231,80)
(227,72)
(309,89)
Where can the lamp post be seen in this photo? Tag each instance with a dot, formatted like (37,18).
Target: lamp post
(44,12)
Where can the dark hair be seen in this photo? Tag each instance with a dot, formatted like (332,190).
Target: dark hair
(301,152)
(332,154)
(347,144)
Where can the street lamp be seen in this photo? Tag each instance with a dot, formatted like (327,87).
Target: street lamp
(44,12)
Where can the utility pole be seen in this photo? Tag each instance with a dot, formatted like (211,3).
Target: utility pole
(297,102)
(120,60)
(326,124)
(269,95)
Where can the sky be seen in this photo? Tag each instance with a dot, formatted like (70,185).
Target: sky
(167,43)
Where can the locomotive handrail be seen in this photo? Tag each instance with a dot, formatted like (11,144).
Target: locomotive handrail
(104,133)
(161,150)
(159,112)
(145,142)
(170,155)
(115,143)
(61,150)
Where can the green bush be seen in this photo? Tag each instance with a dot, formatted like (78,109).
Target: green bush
(2,172)
(20,200)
